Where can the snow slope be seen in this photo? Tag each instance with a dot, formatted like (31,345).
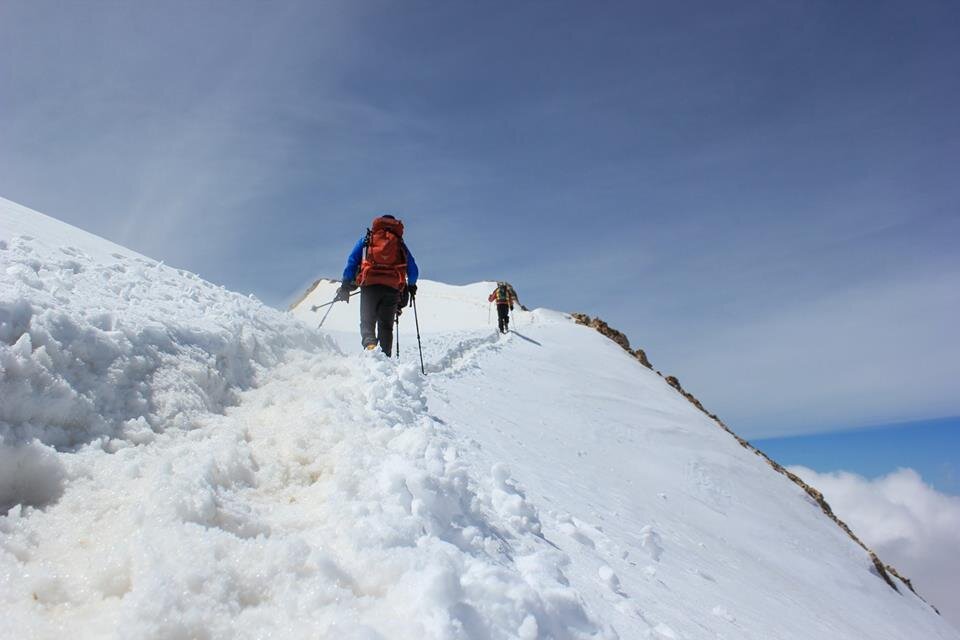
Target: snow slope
(180,461)
(18,220)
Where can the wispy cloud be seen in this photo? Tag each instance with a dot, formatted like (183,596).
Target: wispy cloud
(162,131)
(866,354)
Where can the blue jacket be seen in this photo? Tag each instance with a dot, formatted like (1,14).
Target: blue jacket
(356,256)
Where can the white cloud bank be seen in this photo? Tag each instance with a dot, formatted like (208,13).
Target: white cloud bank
(911,525)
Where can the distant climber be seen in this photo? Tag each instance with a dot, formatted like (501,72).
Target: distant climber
(505,297)
(384,269)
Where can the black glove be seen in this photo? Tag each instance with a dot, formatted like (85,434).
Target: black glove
(404,299)
(412,288)
(343,293)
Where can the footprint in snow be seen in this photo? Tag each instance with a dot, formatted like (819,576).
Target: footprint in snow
(610,579)
(510,501)
(650,541)
(574,532)
(663,631)
(721,612)
(583,532)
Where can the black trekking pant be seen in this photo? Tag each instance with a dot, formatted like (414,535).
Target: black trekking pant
(503,316)
(378,309)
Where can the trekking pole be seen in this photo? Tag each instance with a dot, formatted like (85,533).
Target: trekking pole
(416,320)
(327,304)
(398,333)
(329,307)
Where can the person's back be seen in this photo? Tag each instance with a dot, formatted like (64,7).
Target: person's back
(383,267)
(504,296)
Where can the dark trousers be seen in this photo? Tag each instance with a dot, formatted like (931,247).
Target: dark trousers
(378,308)
(503,316)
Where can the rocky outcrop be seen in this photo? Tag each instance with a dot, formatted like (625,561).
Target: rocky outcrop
(884,571)
(613,334)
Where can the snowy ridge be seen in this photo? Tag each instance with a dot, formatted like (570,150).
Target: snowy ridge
(176,504)
(443,309)
(113,350)
(18,220)
(887,572)
(223,470)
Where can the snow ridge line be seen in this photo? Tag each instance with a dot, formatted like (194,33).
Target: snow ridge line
(884,571)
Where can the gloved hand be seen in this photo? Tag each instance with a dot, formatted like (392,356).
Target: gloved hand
(412,288)
(343,293)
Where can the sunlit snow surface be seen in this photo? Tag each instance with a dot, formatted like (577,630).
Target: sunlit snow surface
(180,461)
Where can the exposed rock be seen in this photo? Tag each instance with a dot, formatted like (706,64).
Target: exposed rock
(641,355)
(613,334)
(886,572)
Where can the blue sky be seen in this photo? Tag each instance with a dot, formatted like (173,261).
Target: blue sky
(930,447)
(763,195)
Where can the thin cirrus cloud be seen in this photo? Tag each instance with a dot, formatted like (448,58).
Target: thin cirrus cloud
(854,356)
(908,523)
(166,129)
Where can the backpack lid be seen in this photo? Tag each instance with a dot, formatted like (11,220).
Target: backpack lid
(387,223)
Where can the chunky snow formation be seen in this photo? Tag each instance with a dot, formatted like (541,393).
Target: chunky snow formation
(105,346)
(186,463)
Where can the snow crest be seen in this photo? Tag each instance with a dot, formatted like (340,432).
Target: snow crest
(180,461)
(116,351)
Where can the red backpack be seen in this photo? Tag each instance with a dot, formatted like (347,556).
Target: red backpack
(385,256)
